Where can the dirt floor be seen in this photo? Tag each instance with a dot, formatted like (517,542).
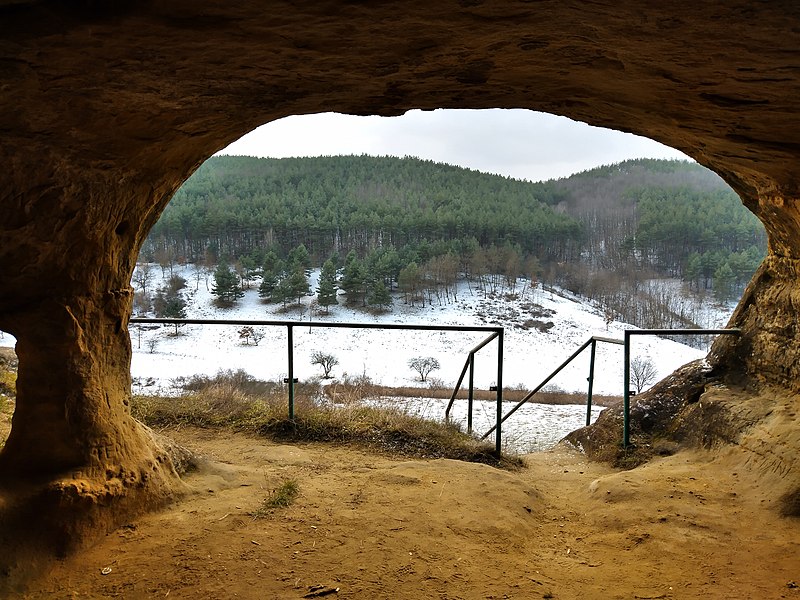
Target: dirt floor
(368,526)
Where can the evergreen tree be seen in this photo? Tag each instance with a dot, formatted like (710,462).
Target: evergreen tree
(693,270)
(175,308)
(283,291)
(169,304)
(710,262)
(159,302)
(409,282)
(326,292)
(299,258)
(226,286)
(389,265)
(248,267)
(271,263)
(298,283)
(723,282)
(378,295)
(353,280)
(269,281)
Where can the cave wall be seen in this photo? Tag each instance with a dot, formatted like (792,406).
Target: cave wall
(106,108)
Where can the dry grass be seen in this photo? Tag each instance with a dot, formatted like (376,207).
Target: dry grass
(341,391)
(8,392)
(281,497)
(224,404)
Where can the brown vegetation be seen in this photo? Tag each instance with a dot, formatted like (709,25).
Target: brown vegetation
(8,390)
(261,408)
(357,388)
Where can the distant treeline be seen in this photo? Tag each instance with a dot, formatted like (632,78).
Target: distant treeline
(635,219)
(332,205)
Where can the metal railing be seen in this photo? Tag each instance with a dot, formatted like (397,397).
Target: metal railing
(469,364)
(496,333)
(592,341)
(626,343)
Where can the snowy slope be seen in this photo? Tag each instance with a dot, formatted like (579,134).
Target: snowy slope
(529,355)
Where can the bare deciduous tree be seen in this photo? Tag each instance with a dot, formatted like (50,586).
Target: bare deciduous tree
(609,317)
(249,334)
(142,276)
(326,361)
(423,365)
(643,373)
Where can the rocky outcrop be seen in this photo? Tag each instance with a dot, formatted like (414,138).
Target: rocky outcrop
(105,108)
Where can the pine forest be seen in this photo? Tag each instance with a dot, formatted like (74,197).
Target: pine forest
(405,227)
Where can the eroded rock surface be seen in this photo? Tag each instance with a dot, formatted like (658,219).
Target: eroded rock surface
(105,108)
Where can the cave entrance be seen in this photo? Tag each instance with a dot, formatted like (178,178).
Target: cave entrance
(105,120)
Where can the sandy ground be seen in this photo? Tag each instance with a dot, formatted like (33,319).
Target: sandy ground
(373,526)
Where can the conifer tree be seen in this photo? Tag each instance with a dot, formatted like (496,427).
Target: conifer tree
(247,266)
(693,269)
(159,302)
(326,292)
(283,291)
(269,281)
(271,263)
(298,283)
(226,287)
(299,258)
(723,282)
(353,279)
(175,308)
(409,282)
(378,295)
(169,304)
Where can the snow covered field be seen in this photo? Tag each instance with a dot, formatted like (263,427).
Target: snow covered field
(383,355)
(532,428)
(529,355)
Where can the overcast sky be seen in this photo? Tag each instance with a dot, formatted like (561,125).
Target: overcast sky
(517,143)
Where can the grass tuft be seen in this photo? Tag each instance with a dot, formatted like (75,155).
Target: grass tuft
(281,497)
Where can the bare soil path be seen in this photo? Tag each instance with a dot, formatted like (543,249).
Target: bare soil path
(372,526)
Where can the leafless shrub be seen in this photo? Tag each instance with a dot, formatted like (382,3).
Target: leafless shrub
(326,360)
(423,365)
(643,373)
(249,334)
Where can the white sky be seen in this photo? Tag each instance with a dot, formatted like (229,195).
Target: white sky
(517,143)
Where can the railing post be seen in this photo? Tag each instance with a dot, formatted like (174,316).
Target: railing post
(498,434)
(626,392)
(291,372)
(470,396)
(591,383)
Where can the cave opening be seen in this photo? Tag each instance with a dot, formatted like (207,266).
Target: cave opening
(103,122)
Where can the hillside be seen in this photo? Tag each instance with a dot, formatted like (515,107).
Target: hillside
(677,218)
(566,323)
(335,204)
(602,234)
